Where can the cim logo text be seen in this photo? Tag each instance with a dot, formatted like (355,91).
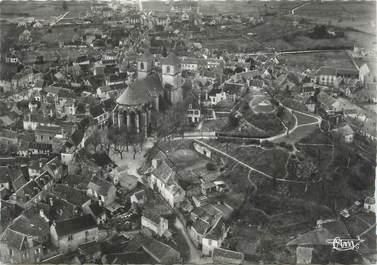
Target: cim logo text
(345,244)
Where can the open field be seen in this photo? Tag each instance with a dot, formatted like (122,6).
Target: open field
(254,8)
(303,119)
(42,9)
(269,161)
(337,59)
(345,10)
(298,134)
(261,104)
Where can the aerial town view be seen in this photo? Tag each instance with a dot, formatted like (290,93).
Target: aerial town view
(188,132)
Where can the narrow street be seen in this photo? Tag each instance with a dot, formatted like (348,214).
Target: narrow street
(195,256)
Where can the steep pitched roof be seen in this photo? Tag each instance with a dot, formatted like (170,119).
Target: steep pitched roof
(225,253)
(71,195)
(171,59)
(217,230)
(163,172)
(13,239)
(101,186)
(161,252)
(324,70)
(75,225)
(96,110)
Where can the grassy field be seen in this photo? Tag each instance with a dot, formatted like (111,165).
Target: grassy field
(269,161)
(304,61)
(41,9)
(254,8)
(304,119)
(345,10)
(298,134)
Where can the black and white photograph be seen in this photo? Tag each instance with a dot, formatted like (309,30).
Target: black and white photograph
(188,131)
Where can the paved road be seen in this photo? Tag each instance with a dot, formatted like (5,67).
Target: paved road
(195,257)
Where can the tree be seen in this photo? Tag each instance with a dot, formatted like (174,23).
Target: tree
(100,141)
(118,140)
(172,120)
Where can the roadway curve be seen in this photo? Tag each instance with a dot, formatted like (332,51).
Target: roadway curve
(296,126)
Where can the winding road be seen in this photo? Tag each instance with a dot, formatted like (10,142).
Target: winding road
(288,133)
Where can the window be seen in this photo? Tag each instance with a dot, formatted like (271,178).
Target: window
(86,233)
(168,69)
(70,237)
(37,251)
(10,252)
(209,242)
(142,66)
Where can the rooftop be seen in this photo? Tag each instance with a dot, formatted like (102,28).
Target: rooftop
(75,225)
(141,91)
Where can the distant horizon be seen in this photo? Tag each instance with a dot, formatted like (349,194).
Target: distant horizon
(108,1)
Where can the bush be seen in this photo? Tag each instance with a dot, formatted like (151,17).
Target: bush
(210,166)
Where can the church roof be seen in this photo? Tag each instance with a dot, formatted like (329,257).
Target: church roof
(171,59)
(146,56)
(141,91)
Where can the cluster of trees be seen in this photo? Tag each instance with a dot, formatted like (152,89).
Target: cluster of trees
(118,140)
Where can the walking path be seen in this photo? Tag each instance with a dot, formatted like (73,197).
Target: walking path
(298,7)
(128,161)
(246,165)
(296,126)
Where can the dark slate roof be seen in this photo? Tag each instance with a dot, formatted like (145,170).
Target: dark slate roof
(75,225)
(96,209)
(102,159)
(90,247)
(225,253)
(141,91)
(35,226)
(217,231)
(40,146)
(13,239)
(324,70)
(77,136)
(201,226)
(101,186)
(139,257)
(96,110)
(71,195)
(171,59)
(9,174)
(160,251)
(109,104)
